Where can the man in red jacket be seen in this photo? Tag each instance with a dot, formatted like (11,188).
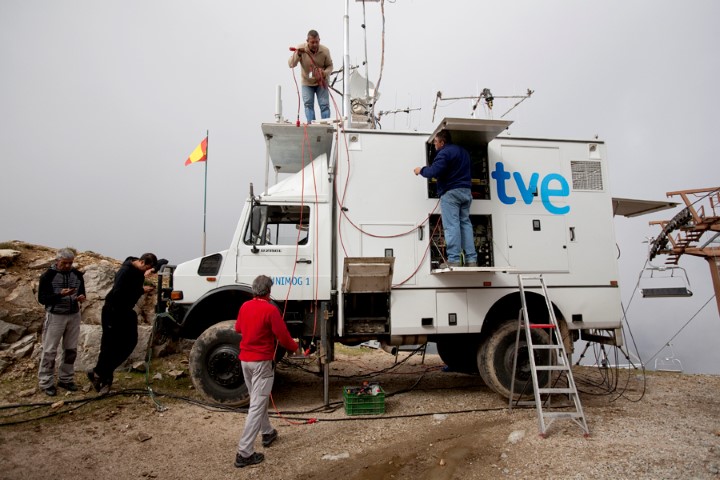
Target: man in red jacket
(260,324)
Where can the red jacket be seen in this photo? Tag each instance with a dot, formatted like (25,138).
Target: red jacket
(260,323)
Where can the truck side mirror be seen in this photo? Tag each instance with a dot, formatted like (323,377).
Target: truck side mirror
(255,221)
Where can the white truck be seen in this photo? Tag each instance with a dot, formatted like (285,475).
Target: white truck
(353,241)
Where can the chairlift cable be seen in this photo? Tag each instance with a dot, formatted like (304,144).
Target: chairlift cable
(637,350)
(681,328)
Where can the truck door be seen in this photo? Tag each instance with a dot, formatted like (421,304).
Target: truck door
(278,243)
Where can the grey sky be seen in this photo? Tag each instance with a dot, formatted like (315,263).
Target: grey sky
(102,102)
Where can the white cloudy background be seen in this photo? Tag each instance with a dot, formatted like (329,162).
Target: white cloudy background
(102,102)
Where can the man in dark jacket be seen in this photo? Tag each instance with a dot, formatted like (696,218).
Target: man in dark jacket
(61,290)
(451,168)
(119,320)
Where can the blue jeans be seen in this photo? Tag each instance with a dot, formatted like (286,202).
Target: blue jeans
(323,96)
(455,210)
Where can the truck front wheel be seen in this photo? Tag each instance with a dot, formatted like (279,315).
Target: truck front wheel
(495,360)
(459,352)
(215,368)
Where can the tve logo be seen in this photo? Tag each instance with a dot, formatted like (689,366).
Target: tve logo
(552,185)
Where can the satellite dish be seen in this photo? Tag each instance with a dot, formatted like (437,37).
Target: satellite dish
(361,89)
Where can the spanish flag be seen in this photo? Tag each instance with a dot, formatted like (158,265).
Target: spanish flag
(199,154)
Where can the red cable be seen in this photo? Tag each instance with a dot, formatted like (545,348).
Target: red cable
(427,249)
(340,201)
(297,90)
(316,292)
(321,80)
(291,422)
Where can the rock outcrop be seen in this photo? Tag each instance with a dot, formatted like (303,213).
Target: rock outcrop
(22,316)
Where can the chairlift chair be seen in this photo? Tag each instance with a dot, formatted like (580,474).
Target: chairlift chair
(664,282)
(668,363)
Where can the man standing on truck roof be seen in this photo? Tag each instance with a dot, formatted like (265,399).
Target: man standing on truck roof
(316,66)
(119,320)
(260,324)
(61,290)
(451,168)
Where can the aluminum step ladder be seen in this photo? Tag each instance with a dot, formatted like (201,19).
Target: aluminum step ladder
(556,365)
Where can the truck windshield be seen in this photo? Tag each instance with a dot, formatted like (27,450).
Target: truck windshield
(278,225)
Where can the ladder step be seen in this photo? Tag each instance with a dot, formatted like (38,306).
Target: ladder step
(531,277)
(555,368)
(556,390)
(562,414)
(542,325)
(546,347)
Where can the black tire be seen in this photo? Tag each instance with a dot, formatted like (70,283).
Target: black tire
(495,360)
(459,352)
(215,368)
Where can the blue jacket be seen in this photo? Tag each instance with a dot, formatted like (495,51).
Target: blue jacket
(451,168)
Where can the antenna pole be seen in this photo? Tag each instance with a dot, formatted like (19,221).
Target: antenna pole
(367,74)
(204,237)
(346,66)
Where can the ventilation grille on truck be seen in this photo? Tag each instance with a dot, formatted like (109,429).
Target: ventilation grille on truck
(586,175)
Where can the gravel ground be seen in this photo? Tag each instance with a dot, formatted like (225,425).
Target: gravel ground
(436,425)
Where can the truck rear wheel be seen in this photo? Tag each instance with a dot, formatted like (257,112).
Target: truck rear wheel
(215,368)
(495,360)
(459,352)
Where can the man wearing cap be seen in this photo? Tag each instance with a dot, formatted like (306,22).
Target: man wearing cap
(119,320)
(61,290)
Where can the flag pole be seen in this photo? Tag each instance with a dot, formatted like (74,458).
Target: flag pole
(207,149)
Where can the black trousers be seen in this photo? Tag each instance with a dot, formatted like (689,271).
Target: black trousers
(119,337)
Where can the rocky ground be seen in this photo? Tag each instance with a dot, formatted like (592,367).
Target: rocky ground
(436,425)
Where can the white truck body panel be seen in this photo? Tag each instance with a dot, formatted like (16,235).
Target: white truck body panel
(385,198)
(549,210)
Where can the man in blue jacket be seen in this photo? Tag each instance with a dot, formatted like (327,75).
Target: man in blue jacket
(451,168)
(61,290)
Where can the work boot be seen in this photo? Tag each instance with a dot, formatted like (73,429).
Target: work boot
(105,389)
(50,391)
(94,380)
(449,265)
(70,386)
(471,264)
(269,438)
(253,459)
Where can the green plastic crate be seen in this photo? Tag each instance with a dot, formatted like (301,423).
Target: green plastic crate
(363,404)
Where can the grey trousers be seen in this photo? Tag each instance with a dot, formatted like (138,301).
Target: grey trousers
(259,378)
(57,328)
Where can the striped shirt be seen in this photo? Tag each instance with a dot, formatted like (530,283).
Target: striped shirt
(52,282)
